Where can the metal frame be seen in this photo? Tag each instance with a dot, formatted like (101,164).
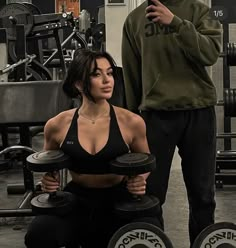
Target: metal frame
(22,209)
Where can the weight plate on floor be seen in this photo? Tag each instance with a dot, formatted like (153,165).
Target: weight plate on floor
(133,164)
(219,235)
(48,161)
(139,235)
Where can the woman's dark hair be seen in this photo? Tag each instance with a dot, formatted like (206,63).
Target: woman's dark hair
(80,70)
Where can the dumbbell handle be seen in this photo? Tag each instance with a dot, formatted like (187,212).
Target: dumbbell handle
(135,196)
(54,193)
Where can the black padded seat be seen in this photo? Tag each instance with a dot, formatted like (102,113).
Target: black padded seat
(30,104)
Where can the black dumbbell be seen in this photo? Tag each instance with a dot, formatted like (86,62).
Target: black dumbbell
(132,164)
(58,202)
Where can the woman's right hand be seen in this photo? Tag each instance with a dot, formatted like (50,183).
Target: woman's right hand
(50,182)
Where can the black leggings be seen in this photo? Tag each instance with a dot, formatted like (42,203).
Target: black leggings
(91,224)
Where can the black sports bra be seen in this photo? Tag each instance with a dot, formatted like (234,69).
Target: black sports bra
(86,163)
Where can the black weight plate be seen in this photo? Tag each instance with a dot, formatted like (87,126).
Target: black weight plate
(219,235)
(60,204)
(228,54)
(20,14)
(33,8)
(136,207)
(226,102)
(233,58)
(234,102)
(98,32)
(133,164)
(139,235)
(47,161)
(231,101)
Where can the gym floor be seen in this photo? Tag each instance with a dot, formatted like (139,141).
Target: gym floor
(12,229)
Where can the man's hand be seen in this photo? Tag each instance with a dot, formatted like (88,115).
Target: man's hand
(159,13)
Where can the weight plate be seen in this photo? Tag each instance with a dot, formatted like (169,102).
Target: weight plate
(233,62)
(228,53)
(226,102)
(98,32)
(60,203)
(231,54)
(219,235)
(47,161)
(139,235)
(133,164)
(33,8)
(231,100)
(234,102)
(16,13)
(138,206)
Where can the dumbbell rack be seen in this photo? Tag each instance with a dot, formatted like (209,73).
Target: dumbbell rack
(226,158)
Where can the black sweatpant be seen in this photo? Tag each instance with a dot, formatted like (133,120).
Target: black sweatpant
(194,133)
(91,224)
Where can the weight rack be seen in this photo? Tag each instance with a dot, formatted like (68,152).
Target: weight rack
(226,159)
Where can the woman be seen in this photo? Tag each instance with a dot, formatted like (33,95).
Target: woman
(92,136)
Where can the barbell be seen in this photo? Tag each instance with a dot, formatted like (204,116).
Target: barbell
(10,68)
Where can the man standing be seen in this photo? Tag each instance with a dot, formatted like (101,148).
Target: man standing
(166,47)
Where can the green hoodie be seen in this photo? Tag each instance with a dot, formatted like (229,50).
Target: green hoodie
(165,66)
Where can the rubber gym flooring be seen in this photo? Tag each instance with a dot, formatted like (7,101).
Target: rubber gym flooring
(12,229)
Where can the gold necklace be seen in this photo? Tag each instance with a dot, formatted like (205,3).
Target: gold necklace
(93,121)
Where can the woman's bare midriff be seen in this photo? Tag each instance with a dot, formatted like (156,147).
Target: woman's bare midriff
(96,181)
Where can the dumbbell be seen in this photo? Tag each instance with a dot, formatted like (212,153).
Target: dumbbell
(132,164)
(52,203)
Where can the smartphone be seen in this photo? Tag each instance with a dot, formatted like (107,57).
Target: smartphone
(150,3)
